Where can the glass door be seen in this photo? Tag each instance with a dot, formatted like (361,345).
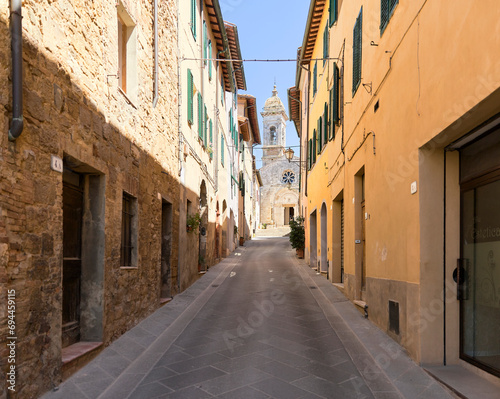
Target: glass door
(479,273)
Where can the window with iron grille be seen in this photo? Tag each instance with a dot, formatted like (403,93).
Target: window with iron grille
(386,10)
(357,52)
(128,255)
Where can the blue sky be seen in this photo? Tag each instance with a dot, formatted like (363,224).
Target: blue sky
(269,29)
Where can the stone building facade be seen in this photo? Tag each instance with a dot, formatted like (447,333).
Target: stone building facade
(280,178)
(89,192)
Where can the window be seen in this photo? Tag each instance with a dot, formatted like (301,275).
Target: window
(288,177)
(236,137)
(222,150)
(190,97)
(386,10)
(193,18)
(200,116)
(273,135)
(210,61)
(315,146)
(205,128)
(205,43)
(320,135)
(309,153)
(333,11)
(315,78)
(356,52)
(127,52)
(325,125)
(211,140)
(128,253)
(325,44)
(334,101)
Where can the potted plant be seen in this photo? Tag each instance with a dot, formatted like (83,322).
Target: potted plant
(192,222)
(242,240)
(298,236)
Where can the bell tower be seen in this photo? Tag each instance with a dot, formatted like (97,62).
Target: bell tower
(274,128)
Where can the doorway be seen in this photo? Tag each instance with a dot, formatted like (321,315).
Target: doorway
(166,249)
(324,243)
(83,203)
(478,274)
(313,241)
(73,191)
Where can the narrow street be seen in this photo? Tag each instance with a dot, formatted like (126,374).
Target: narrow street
(260,324)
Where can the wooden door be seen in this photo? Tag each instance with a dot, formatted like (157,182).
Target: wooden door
(72,259)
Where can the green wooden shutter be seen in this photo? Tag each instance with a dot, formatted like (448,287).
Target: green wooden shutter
(190,97)
(205,127)
(200,116)
(325,124)
(320,135)
(315,146)
(315,78)
(210,61)
(236,138)
(205,42)
(325,44)
(386,10)
(335,99)
(222,149)
(333,11)
(356,53)
(193,18)
(309,154)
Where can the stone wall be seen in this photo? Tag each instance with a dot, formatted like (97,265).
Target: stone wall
(74,110)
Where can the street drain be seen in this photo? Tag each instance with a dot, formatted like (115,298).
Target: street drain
(215,285)
(312,288)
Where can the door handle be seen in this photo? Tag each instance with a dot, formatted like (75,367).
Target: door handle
(460,276)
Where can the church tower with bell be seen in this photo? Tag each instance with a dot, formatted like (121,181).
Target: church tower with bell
(280,189)
(274,129)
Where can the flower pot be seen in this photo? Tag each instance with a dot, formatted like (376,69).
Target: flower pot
(300,253)
(242,240)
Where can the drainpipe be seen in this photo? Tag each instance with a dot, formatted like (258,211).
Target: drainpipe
(16,125)
(155,97)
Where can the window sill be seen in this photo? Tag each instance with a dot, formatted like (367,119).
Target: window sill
(129,268)
(127,98)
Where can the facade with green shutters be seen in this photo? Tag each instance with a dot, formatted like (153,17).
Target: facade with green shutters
(400,143)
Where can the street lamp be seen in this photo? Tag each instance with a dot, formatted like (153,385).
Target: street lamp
(289,154)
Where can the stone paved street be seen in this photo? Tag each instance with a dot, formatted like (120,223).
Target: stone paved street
(260,324)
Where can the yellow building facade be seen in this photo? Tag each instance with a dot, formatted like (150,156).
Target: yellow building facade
(396,104)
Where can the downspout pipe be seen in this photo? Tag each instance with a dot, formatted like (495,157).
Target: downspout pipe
(155,96)
(17,123)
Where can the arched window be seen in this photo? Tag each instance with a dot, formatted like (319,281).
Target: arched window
(273,135)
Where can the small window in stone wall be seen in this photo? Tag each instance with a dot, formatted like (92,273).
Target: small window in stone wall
(288,177)
(127,52)
(128,255)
